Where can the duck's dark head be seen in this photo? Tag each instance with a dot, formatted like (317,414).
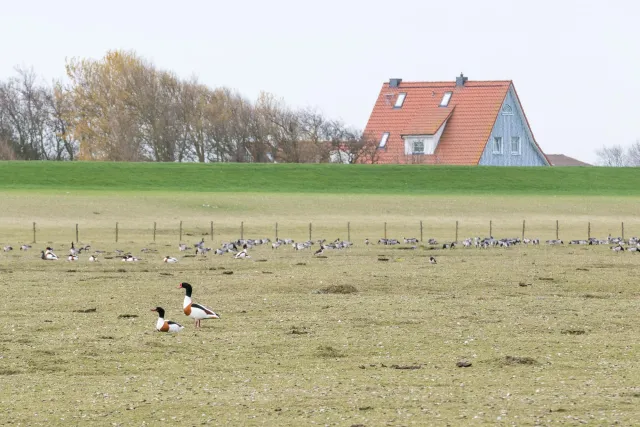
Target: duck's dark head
(160,311)
(186,287)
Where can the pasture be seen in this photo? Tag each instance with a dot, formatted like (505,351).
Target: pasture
(551,332)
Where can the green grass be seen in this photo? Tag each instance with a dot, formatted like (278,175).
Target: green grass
(292,348)
(322,178)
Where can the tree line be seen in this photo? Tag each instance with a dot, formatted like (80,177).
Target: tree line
(619,156)
(123,108)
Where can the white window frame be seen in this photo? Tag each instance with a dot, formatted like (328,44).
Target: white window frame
(446,98)
(383,140)
(519,151)
(413,146)
(497,139)
(400,100)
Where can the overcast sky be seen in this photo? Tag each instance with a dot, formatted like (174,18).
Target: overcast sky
(575,64)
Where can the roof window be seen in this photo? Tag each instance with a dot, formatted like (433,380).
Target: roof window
(383,140)
(400,100)
(445,99)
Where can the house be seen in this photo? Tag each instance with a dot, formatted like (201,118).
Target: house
(562,160)
(464,122)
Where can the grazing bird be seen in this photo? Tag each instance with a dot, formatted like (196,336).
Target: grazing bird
(432,260)
(8,248)
(48,256)
(193,310)
(319,251)
(242,254)
(166,325)
(93,258)
(170,260)
(24,247)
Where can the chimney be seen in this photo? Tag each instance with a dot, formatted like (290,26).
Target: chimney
(460,81)
(394,82)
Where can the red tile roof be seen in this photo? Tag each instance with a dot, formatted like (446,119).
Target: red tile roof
(562,160)
(471,114)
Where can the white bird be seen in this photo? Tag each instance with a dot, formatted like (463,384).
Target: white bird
(432,260)
(166,325)
(72,258)
(49,256)
(170,260)
(242,255)
(93,258)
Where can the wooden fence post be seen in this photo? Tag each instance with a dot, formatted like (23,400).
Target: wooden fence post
(116,232)
(589,230)
(242,230)
(211,230)
(523,228)
(490,229)
(622,226)
(456,232)
(309,231)
(34,232)
(385,230)
(348,231)
(154,231)
(180,232)
(557,229)
(421,235)
(276,231)
(76,233)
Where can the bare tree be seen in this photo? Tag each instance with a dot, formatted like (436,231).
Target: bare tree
(611,156)
(633,154)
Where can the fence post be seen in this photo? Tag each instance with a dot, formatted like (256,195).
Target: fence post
(116,232)
(421,236)
(490,229)
(211,230)
(76,233)
(622,230)
(154,231)
(180,232)
(385,230)
(456,232)
(523,228)
(34,232)
(557,230)
(348,231)
(309,231)
(242,230)
(276,231)
(589,230)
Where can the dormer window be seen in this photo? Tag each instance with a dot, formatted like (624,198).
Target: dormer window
(400,100)
(383,140)
(507,110)
(445,99)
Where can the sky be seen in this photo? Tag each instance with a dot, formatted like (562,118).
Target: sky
(575,64)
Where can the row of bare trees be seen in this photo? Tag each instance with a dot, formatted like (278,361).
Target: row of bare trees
(122,108)
(618,156)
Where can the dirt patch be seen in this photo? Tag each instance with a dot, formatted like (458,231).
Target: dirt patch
(573,332)
(9,372)
(127,316)
(227,272)
(407,367)
(328,351)
(516,360)
(166,274)
(86,310)
(298,330)
(337,289)
(594,296)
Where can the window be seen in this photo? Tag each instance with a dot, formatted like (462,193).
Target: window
(400,100)
(515,145)
(418,146)
(445,99)
(383,140)
(506,110)
(497,145)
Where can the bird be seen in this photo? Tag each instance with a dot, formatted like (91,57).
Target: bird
(24,247)
(366,242)
(193,310)
(93,258)
(166,325)
(242,254)
(73,251)
(170,260)
(72,258)
(48,255)
(129,258)
(432,260)
(319,251)
(7,248)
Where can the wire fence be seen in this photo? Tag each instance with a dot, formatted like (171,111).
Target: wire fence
(419,230)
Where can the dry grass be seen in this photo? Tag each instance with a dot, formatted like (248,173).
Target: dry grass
(384,355)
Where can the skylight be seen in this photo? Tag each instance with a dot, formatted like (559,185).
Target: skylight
(383,140)
(445,99)
(400,100)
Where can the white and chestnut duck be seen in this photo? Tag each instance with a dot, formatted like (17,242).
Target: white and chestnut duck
(193,310)
(163,325)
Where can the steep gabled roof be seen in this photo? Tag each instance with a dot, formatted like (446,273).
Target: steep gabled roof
(470,116)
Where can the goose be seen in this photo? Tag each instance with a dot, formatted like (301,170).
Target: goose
(432,260)
(73,251)
(48,256)
(366,242)
(182,247)
(170,260)
(242,255)
(93,258)
(193,310)
(23,247)
(7,248)
(166,325)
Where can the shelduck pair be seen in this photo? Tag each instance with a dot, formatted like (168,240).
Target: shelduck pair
(195,311)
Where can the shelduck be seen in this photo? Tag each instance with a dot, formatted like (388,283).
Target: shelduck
(432,260)
(166,325)
(170,260)
(48,256)
(72,258)
(93,258)
(242,254)
(129,258)
(193,310)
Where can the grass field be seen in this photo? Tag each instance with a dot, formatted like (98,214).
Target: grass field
(320,178)
(560,348)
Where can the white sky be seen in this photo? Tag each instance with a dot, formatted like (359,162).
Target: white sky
(575,64)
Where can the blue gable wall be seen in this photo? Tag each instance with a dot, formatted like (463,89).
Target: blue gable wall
(508,126)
